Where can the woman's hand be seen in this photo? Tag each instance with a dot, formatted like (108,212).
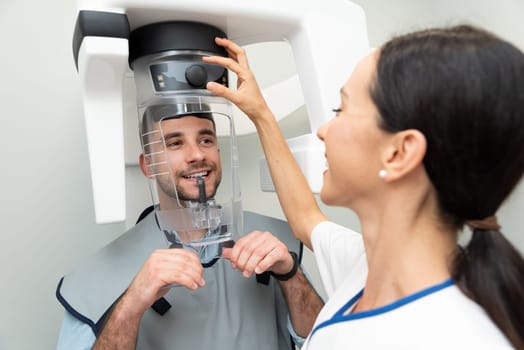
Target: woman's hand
(248,97)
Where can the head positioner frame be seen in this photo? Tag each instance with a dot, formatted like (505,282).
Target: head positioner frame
(101,52)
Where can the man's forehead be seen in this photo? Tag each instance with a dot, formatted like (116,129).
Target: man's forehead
(187,123)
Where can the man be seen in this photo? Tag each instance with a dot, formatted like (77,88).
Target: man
(181,298)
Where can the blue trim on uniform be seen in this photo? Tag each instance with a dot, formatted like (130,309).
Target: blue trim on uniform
(210,263)
(71,310)
(340,317)
(145,213)
(340,312)
(95,327)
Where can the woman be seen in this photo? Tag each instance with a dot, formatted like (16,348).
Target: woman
(428,137)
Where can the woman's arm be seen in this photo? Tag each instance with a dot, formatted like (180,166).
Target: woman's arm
(294,194)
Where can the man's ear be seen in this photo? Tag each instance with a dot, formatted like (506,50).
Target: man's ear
(146,170)
(404,153)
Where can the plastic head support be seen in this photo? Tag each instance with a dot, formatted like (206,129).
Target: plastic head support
(195,193)
(327,39)
(194,186)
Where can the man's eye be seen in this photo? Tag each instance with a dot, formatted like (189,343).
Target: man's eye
(337,110)
(208,141)
(173,143)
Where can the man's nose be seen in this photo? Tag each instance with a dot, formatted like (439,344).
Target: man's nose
(195,153)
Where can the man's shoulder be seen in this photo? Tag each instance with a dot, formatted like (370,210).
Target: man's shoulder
(92,287)
(134,244)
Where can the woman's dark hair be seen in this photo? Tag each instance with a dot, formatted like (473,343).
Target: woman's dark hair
(463,88)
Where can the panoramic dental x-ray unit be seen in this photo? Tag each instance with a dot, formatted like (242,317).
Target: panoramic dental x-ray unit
(161,44)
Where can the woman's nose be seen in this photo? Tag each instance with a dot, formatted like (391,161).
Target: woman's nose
(322,131)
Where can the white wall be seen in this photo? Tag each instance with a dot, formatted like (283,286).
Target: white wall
(46,203)
(46,209)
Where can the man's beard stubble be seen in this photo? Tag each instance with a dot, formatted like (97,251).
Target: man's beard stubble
(166,185)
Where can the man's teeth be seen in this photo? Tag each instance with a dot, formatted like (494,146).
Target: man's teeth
(202,173)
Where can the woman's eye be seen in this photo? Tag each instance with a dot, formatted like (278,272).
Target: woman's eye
(337,110)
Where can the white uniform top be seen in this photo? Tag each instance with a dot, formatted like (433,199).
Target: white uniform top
(439,317)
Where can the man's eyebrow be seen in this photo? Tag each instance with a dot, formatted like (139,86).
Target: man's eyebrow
(207,132)
(180,134)
(343,92)
(173,134)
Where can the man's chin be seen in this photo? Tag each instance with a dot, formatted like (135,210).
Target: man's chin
(188,198)
(191,197)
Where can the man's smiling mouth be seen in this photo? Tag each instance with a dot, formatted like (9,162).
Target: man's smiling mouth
(196,175)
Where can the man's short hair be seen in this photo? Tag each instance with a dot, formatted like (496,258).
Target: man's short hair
(156,113)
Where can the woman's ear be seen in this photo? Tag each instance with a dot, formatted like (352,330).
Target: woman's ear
(404,153)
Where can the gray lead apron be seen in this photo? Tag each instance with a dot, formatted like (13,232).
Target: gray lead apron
(230,312)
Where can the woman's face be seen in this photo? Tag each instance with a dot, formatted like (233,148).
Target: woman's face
(352,141)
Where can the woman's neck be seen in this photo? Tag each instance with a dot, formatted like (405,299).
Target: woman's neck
(408,249)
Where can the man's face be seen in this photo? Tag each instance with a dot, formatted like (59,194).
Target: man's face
(191,151)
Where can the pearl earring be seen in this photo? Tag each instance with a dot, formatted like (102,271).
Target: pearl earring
(382,173)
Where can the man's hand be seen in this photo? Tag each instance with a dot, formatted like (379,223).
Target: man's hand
(259,252)
(165,267)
